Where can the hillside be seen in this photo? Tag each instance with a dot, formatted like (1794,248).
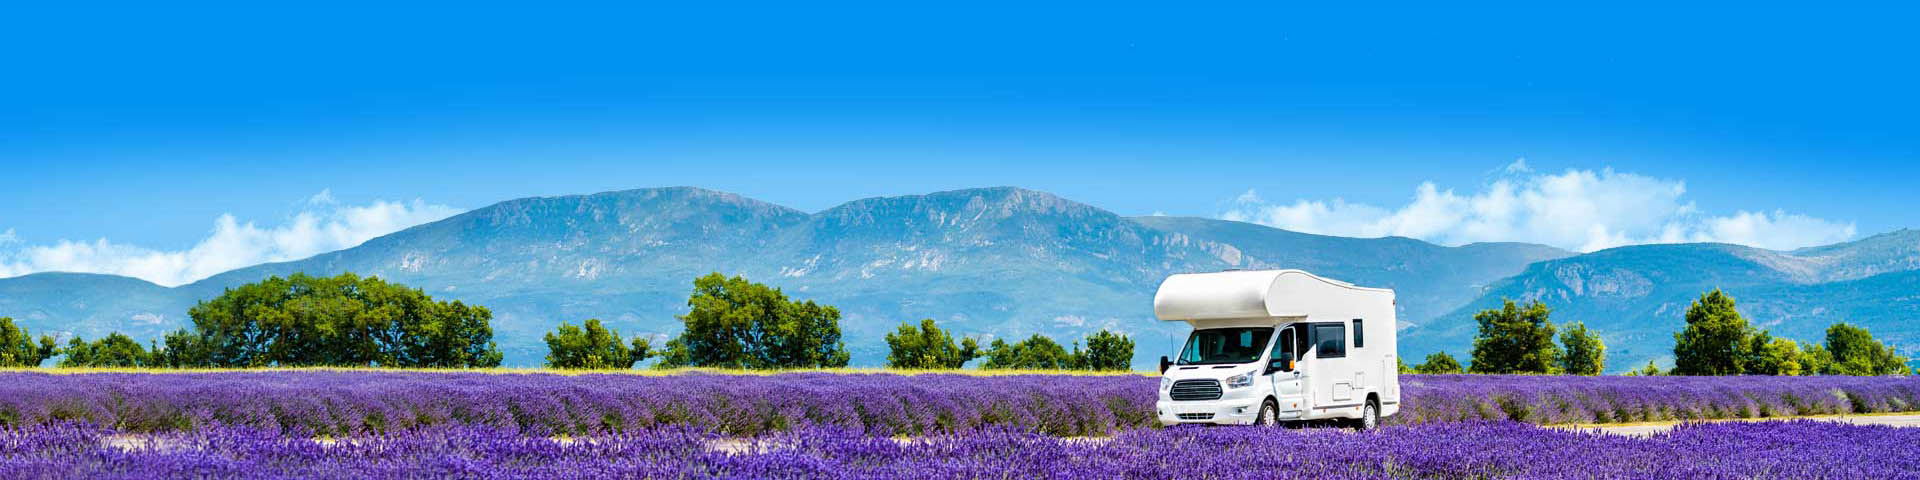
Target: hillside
(1001,262)
(63,304)
(1431,279)
(1637,296)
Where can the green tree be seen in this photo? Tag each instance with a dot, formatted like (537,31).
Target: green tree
(17,348)
(1584,353)
(735,323)
(1515,340)
(1855,352)
(641,350)
(1767,355)
(928,347)
(183,349)
(1438,363)
(1714,341)
(1650,370)
(1814,359)
(114,350)
(1034,353)
(1106,351)
(345,320)
(592,347)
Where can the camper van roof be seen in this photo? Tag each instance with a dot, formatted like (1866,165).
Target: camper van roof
(1259,294)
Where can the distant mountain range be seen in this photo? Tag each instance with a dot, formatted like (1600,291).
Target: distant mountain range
(1637,296)
(1003,262)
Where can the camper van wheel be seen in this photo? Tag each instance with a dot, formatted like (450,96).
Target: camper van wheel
(1269,414)
(1369,416)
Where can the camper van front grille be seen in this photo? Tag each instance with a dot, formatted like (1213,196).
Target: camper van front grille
(1196,416)
(1185,390)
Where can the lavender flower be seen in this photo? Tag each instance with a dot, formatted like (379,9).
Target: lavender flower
(1797,449)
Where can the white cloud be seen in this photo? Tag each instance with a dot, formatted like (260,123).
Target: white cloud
(1518,166)
(1580,210)
(1781,229)
(325,197)
(325,226)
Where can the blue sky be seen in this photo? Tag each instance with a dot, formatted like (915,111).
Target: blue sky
(132,130)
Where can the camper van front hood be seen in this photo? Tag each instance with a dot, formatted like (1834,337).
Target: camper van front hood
(1219,373)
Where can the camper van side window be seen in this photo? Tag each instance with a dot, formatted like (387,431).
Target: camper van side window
(1359,335)
(1300,340)
(1283,348)
(1332,338)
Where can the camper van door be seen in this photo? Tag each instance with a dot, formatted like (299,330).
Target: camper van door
(1331,372)
(1288,384)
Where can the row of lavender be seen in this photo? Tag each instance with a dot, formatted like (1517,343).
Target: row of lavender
(1799,449)
(1617,399)
(345,402)
(339,403)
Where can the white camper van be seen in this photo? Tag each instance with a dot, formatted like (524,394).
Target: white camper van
(1277,346)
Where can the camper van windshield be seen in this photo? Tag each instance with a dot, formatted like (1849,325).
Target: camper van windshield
(1225,345)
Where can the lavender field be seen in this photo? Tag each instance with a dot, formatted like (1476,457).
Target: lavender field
(368,424)
(356,402)
(1764,450)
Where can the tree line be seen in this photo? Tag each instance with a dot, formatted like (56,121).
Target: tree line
(1522,339)
(1716,340)
(736,323)
(296,321)
(927,347)
(348,320)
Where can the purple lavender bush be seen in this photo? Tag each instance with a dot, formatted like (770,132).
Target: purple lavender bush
(355,402)
(1546,399)
(349,402)
(1785,450)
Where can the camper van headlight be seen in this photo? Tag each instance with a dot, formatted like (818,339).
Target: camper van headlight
(1166,383)
(1241,380)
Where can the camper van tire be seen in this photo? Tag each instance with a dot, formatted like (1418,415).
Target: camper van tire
(1369,415)
(1269,414)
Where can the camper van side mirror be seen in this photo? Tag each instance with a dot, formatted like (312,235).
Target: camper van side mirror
(1280,365)
(1164,363)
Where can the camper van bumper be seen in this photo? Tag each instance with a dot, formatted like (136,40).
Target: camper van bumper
(1228,411)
